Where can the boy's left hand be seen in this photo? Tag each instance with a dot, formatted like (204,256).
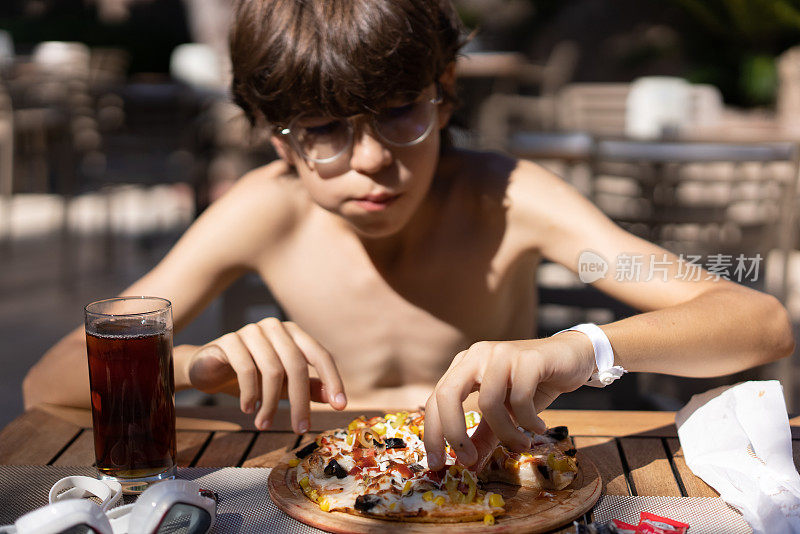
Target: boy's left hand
(515,381)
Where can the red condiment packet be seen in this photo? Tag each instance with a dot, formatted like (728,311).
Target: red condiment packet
(623,527)
(654,524)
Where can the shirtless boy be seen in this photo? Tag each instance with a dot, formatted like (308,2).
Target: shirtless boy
(402,261)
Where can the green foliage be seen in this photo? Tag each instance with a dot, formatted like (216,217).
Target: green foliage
(759,79)
(759,23)
(733,44)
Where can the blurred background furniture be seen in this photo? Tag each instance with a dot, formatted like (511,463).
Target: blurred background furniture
(601,109)
(498,79)
(700,198)
(6,168)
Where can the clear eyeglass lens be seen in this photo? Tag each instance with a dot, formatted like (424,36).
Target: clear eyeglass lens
(83,528)
(321,139)
(185,519)
(403,125)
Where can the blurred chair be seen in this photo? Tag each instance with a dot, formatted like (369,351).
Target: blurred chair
(6,165)
(666,107)
(512,70)
(64,59)
(597,108)
(709,200)
(58,143)
(108,68)
(700,198)
(198,66)
(6,51)
(511,75)
(502,114)
(593,108)
(789,90)
(601,108)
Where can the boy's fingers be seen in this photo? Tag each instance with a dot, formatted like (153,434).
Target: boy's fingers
(450,393)
(323,363)
(246,373)
(210,371)
(492,403)
(457,360)
(433,438)
(544,397)
(316,388)
(526,380)
(318,391)
(296,367)
(271,370)
(485,443)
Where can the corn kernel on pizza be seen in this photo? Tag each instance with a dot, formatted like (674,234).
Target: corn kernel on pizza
(377,467)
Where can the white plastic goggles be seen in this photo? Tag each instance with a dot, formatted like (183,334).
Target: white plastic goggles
(171,506)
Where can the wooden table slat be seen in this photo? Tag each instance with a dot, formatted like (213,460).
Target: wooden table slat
(649,466)
(226,449)
(605,455)
(694,486)
(35,438)
(80,452)
(580,422)
(613,422)
(269,448)
(189,443)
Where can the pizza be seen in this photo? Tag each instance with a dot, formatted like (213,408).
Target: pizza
(377,468)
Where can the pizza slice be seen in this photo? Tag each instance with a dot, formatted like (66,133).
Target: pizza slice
(377,467)
(549,465)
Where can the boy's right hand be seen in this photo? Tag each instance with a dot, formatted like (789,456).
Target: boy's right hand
(257,359)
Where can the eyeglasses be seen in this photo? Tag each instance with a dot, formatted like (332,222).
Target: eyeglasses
(324,139)
(171,506)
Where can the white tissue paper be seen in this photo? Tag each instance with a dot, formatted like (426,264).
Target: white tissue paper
(737,439)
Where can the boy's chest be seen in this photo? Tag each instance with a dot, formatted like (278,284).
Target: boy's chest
(407,324)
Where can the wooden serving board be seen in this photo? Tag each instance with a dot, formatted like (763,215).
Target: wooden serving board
(525,511)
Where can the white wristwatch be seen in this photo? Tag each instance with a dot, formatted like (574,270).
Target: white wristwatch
(607,372)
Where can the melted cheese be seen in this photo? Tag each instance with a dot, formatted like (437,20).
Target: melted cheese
(388,483)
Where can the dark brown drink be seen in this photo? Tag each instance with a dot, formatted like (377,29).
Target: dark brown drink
(132,384)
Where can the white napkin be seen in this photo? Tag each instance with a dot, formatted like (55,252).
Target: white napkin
(737,439)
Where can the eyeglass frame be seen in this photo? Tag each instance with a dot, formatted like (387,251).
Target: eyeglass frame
(287,132)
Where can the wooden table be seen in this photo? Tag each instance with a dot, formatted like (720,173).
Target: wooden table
(637,453)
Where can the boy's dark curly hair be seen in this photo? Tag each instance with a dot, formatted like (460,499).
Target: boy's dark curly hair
(337,57)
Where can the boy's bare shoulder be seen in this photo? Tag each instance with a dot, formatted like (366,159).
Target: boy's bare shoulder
(548,211)
(518,184)
(276,181)
(262,208)
(537,204)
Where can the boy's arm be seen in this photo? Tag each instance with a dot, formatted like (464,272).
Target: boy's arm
(228,239)
(694,323)
(688,328)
